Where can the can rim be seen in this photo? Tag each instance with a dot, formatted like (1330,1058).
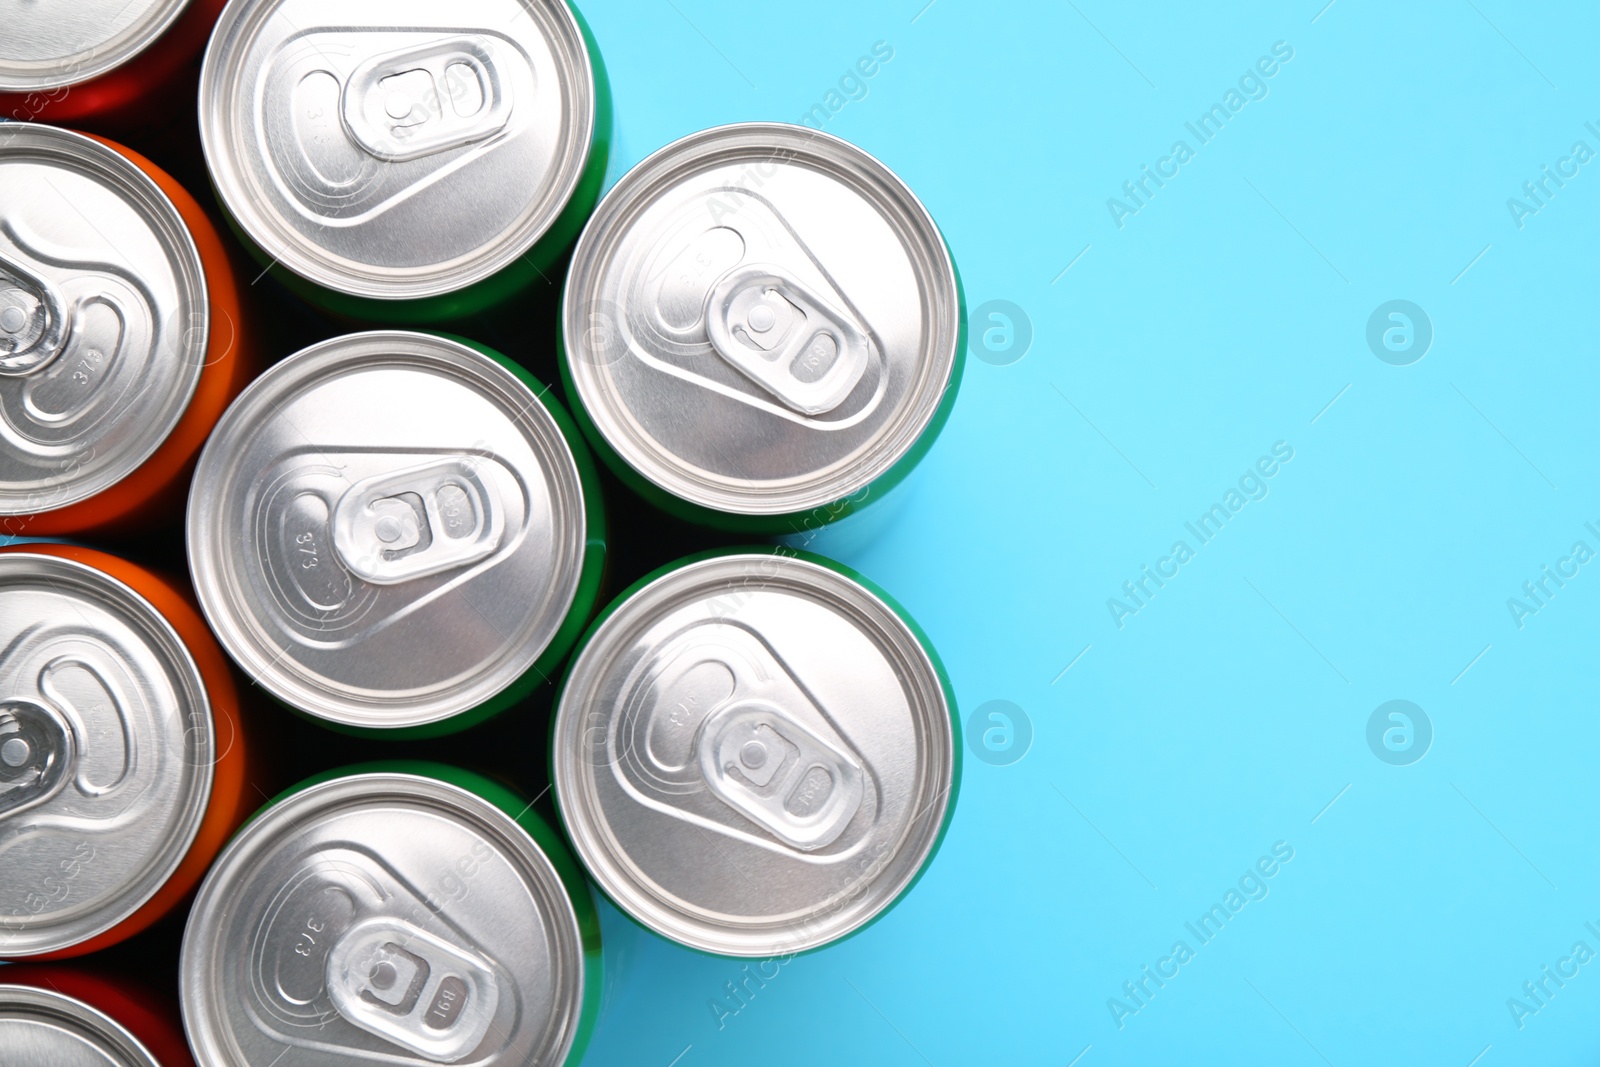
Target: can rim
(621,878)
(119,598)
(208,536)
(288,248)
(201,996)
(164,14)
(108,167)
(852,165)
(81,1018)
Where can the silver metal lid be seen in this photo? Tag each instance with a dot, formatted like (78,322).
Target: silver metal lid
(397,160)
(48,44)
(753,755)
(106,750)
(382,918)
(40,1028)
(761,318)
(386,529)
(104,318)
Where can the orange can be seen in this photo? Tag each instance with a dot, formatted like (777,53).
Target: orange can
(61,1015)
(107,63)
(121,337)
(122,755)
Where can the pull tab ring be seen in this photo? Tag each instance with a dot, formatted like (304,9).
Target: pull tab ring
(33,319)
(37,755)
(787,339)
(417,522)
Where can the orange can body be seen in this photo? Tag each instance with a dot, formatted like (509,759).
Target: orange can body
(208,367)
(69,601)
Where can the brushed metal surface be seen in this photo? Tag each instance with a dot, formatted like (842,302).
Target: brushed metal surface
(449,881)
(46,44)
(761,318)
(97,813)
(41,1028)
(386,529)
(753,755)
(401,150)
(104,318)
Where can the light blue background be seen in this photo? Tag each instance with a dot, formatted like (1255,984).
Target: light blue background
(1225,716)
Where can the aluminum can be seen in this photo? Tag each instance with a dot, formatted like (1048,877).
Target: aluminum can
(121,337)
(395,913)
(762,328)
(396,533)
(122,758)
(754,754)
(410,162)
(55,1016)
(98,63)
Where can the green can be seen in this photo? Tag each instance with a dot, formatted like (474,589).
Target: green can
(403,912)
(408,171)
(764,711)
(762,329)
(397,534)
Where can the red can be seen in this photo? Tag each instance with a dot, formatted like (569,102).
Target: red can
(60,1015)
(121,335)
(104,64)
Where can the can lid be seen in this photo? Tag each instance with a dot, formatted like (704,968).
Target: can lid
(761,319)
(104,318)
(386,529)
(106,752)
(40,1028)
(47,46)
(753,755)
(382,916)
(398,160)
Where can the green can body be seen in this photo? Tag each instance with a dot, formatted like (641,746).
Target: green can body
(583,733)
(793,527)
(584,605)
(494,437)
(455,872)
(505,290)
(749,425)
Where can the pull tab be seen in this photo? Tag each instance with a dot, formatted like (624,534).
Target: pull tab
(785,338)
(779,773)
(407,986)
(416,522)
(36,755)
(33,319)
(417,101)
